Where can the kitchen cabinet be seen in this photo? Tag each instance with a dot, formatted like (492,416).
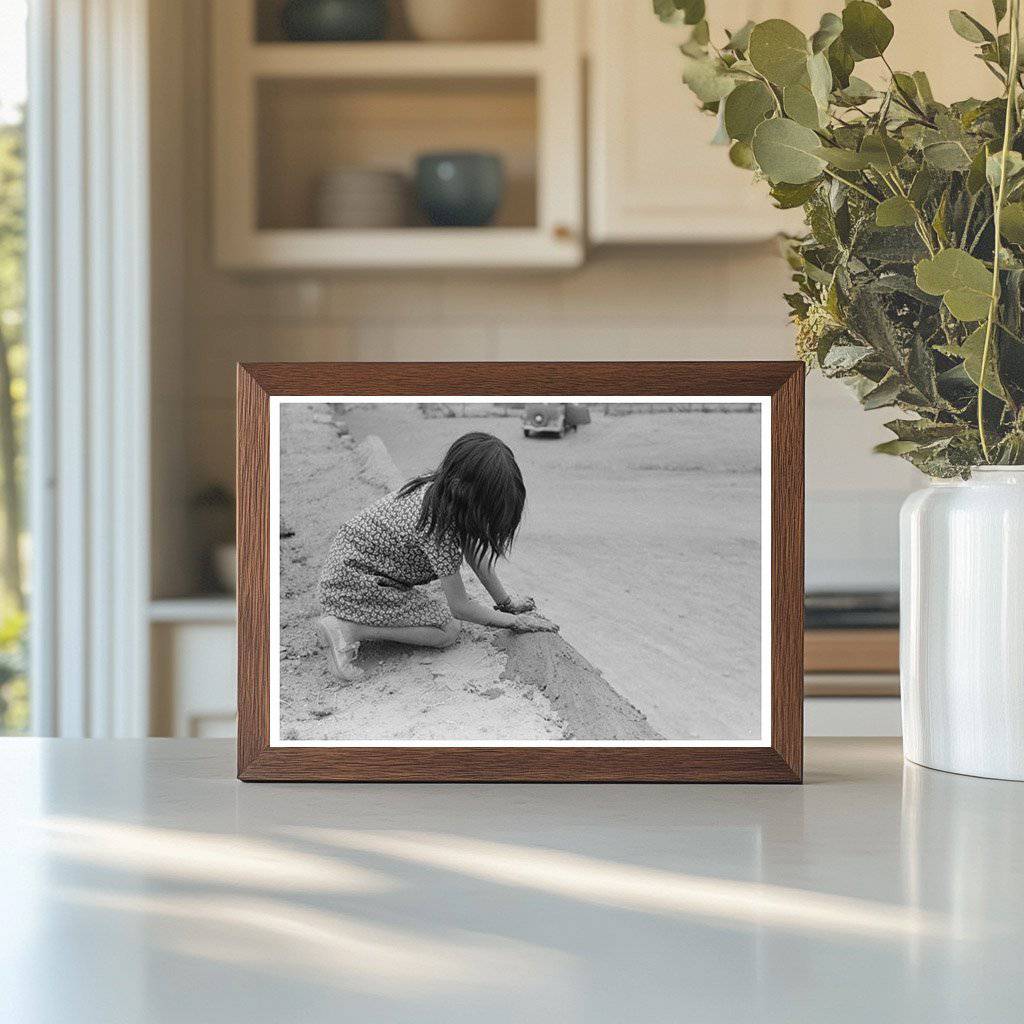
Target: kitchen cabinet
(288,114)
(653,177)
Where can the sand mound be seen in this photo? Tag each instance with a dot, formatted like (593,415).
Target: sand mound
(577,691)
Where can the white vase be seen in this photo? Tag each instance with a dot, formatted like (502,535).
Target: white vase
(962,624)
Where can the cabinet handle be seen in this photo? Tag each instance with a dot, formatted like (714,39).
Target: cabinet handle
(562,232)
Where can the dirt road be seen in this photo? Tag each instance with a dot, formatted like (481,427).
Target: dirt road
(641,538)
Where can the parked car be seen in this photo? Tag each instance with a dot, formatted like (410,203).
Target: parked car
(555,419)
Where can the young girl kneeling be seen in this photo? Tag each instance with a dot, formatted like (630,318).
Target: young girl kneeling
(369,589)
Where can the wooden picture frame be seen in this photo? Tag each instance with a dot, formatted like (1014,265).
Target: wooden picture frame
(779,759)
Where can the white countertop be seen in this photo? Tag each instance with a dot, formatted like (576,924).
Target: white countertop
(140,882)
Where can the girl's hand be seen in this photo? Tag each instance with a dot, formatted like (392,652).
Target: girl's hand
(516,605)
(533,623)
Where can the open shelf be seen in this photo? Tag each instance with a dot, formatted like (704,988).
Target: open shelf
(388,60)
(520,22)
(308,127)
(406,248)
(286,114)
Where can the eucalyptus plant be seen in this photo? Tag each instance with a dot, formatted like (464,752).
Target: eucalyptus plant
(910,277)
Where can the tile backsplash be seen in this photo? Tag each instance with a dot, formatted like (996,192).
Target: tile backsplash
(708,303)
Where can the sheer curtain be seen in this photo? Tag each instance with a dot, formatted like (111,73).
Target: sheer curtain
(88,301)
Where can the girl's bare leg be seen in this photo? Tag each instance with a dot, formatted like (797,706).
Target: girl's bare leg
(416,636)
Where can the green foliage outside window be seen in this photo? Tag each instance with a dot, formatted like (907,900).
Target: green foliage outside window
(13,412)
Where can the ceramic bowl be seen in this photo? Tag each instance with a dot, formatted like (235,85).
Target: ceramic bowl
(333,21)
(360,197)
(460,189)
(470,20)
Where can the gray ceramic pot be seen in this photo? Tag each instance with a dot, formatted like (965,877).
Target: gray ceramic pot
(332,21)
(460,189)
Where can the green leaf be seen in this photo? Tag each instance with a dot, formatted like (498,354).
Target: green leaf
(999,9)
(858,91)
(840,61)
(829,30)
(707,78)
(971,352)
(883,152)
(689,12)
(779,51)
(868,318)
(701,34)
(889,245)
(895,447)
(993,167)
(905,84)
(788,197)
(739,41)
(969,28)
(801,106)
(922,185)
(741,155)
(1012,224)
(693,10)
(976,173)
(939,220)
(947,156)
(786,151)
(745,108)
(963,281)
(666,10)
(921,370)
(866,29)
(844,159)
(924,88)
(923,431)
(819,74)
(895,212)
(885,394)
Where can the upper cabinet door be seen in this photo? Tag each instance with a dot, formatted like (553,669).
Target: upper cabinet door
(654,176)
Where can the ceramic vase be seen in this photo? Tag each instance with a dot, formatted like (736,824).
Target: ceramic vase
(962,624)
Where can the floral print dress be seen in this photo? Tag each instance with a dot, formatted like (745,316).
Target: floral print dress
(380,559)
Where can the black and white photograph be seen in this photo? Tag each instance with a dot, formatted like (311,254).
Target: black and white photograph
(523,572)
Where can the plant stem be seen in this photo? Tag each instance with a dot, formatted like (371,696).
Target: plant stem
(980,232)
(1011,108)
(771,91)
(907,99)
(853,185)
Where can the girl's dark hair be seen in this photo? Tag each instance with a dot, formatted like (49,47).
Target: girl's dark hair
(476,496)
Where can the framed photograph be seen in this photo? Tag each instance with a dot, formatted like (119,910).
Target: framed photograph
(563,572)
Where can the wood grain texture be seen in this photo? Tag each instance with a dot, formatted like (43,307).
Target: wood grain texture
(780,762)
(252,481)
(788,569)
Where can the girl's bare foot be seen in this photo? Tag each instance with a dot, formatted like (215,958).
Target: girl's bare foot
(341,649)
